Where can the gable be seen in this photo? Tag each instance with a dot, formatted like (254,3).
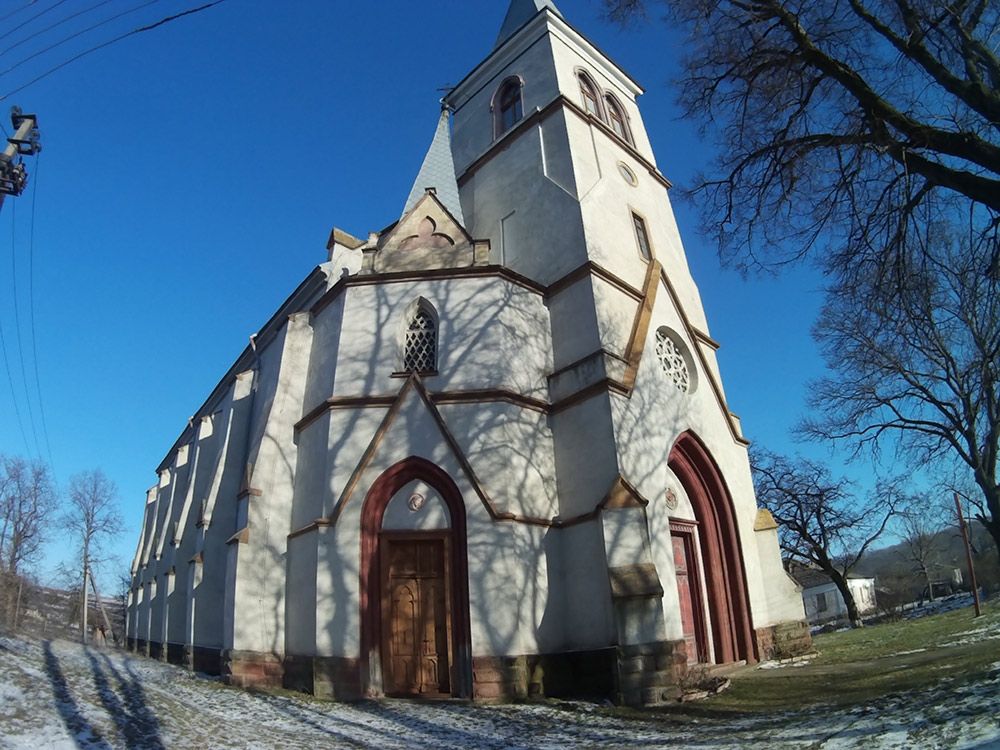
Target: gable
(428,237)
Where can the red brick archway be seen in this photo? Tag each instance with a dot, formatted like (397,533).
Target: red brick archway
(721,551)
(378,497)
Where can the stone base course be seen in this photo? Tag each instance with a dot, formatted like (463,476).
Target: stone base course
(251,669)
(175,653)
(634,675)
(784,640)
(650,674)
(333,677)
(562,675)
(202,659)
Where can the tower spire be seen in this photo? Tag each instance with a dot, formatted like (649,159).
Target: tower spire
(438,171)
(519,12)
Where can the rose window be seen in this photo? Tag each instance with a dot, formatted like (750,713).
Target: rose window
(673,361)
(420,346)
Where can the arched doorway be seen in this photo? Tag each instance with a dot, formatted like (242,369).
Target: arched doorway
(721,555)
(415,638)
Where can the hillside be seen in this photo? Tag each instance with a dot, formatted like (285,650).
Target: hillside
(55,613)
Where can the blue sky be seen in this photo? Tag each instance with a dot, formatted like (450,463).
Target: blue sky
(191,175)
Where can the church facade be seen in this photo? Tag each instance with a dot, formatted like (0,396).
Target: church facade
(484,452)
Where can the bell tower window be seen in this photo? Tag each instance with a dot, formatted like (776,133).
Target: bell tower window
(591,102)
(618,121)
(508,107)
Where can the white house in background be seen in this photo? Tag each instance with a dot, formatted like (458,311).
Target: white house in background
(485,451)
(822,599)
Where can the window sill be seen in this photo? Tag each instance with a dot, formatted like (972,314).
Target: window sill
(407,373)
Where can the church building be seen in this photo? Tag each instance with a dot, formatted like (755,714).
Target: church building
(484,452)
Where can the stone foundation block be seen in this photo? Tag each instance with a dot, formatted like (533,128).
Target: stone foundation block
(250,669)
(650,673)
(175,654)
(784,640)
(206,660)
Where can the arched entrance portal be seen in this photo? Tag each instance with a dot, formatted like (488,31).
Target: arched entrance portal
(721,552)
(414,586)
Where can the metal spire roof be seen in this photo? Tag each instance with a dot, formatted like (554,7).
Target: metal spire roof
(519,13)
(438,172)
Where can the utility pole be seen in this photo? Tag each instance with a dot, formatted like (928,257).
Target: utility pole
(83,618)
(104,613)
(968,556)
(24,142)
(86,574)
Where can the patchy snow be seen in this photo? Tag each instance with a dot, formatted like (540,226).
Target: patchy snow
(60,695)
(943,604)
(907,653)
(798,661)
(985,632)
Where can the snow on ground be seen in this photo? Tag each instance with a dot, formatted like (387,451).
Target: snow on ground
(990,631)
(60,695)
(943,604)
(798,661)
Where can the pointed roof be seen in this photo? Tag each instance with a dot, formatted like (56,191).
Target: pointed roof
(519,13)
(438,172)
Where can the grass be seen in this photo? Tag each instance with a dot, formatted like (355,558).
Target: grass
(856,667)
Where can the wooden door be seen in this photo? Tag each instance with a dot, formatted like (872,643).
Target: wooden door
(416,624)
(689,595)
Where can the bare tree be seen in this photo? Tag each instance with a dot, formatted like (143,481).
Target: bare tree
(94,519)
(27,497)
(925,540)
(844,121)
(915,352)
(820,522)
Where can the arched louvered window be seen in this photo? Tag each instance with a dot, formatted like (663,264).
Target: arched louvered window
(508,107)
(591,102)
(420,342)
(617,119)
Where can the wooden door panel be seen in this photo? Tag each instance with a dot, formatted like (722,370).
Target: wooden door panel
(415,617)
(686,594)
(403,630)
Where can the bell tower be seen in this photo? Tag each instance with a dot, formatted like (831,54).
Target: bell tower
(555,168)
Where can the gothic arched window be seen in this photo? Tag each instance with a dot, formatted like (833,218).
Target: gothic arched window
(616,116)
(420,341)
(591,102)
(508,107)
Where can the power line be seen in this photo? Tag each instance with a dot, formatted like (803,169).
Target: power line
(31,309)
(39,14)
(108,43)
(53,25)
(13,393)
(74,35)
(17,330)
(10,380)
(17,10)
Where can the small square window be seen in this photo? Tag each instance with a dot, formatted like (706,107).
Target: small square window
(642,237)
